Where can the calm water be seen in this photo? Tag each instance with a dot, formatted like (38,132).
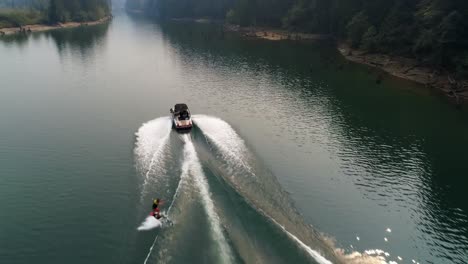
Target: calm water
(287,135)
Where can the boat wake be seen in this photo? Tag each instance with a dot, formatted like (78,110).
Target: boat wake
(222,195)
(232,147)
(192,167)
(257,186)
(149,223)
(152,139)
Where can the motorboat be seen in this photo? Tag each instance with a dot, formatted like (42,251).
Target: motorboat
(181,118)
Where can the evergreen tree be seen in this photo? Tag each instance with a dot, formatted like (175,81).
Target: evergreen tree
(77,10)
(433,31)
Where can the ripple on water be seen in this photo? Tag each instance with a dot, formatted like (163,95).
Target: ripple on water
(389,168)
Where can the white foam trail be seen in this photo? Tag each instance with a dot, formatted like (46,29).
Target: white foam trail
(225,138)
(177,193)
(193,167)
(234,149)
(360,258)
(149,223)
(319,258)
(370,256)
(152,137)
(374,256)
(314,254)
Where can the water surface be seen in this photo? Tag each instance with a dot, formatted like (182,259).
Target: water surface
(301,136)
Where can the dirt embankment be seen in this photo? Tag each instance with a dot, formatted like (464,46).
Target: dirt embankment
(274,34)
(411,69)
(40,27)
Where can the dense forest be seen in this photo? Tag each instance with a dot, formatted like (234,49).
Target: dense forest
(14,13)
(16,4)
(433,31)
(78,10)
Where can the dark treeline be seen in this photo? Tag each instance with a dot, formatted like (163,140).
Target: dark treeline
(433,31)
(30,4)
(78,10)
(14,13)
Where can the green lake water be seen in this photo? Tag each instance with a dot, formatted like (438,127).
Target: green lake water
(292,147)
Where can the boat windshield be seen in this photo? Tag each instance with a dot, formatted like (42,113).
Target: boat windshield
(184,115)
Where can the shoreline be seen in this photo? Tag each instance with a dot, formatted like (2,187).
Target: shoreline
(274,34)
(43,27)
(412,70)
(198,20)
(401,67)
(133,11)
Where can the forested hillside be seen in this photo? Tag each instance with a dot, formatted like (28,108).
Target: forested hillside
(433,31)
(15,4)
(78,10)
(14,13)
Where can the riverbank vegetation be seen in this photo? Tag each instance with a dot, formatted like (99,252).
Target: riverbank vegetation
(19,13)
(77,10)
(434,32)
(17,18)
